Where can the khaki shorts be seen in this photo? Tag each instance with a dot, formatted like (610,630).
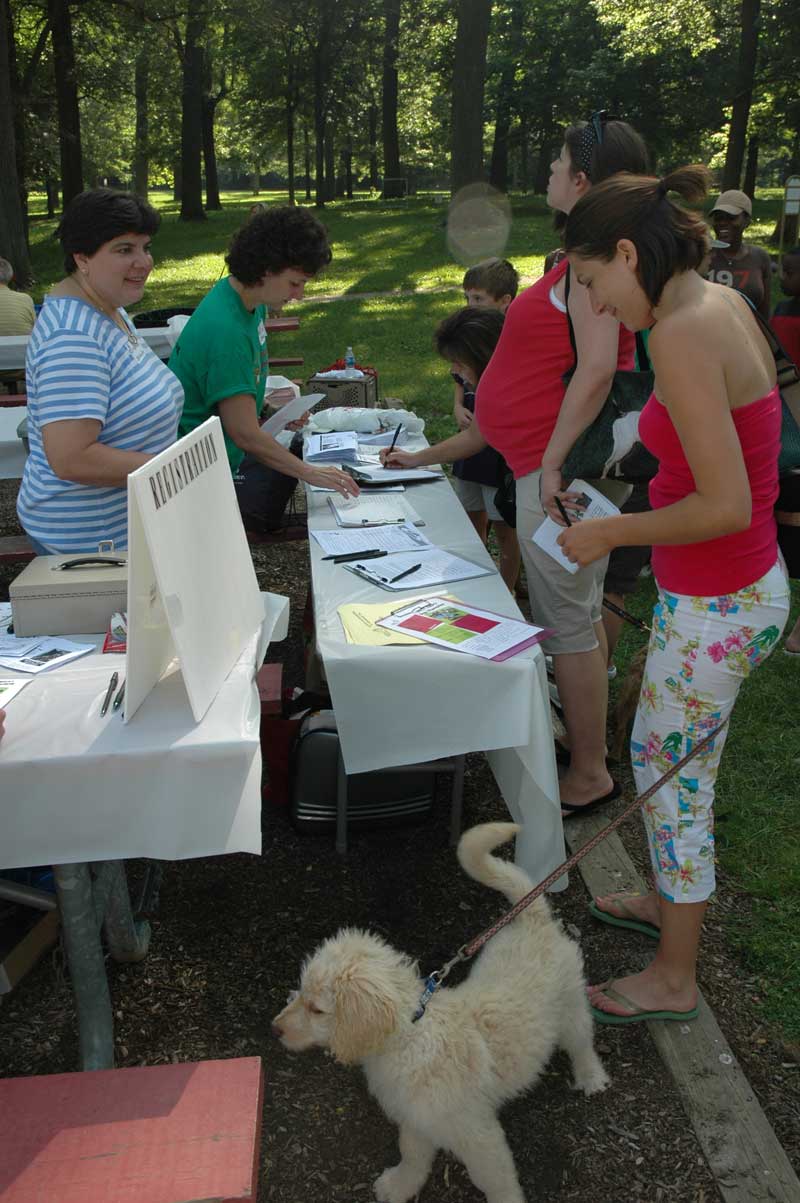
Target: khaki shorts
(474,496)
(571,603)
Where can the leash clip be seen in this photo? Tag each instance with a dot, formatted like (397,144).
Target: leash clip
(435,979)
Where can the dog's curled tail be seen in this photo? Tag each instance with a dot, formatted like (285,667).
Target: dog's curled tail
(474,855)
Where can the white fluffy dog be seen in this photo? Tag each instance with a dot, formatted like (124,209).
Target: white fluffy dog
(443,1078)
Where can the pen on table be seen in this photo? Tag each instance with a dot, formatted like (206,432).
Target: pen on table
(112,685)
(119,699)
(394,439)
(562,511)
(400,575)
(343,556)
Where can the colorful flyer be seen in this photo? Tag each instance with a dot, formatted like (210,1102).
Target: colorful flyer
(463,628)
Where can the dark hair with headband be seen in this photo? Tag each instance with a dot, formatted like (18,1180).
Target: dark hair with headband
(469,335)
(603,145)
(668,238)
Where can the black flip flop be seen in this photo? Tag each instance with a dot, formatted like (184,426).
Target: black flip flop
(573,810)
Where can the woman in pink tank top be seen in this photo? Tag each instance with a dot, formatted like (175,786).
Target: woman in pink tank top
(713,423)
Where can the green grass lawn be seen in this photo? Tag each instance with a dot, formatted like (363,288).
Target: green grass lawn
(381,247)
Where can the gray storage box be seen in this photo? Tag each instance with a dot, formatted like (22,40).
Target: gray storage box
(363,392)
(384,798)
(69,595)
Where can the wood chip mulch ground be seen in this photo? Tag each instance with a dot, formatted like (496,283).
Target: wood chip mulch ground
(227,943)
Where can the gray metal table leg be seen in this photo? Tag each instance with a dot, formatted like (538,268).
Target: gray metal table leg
(456,810)
(127,940)
(86,965)
(341,808)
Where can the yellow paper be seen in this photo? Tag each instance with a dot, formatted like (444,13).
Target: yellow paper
(359,622)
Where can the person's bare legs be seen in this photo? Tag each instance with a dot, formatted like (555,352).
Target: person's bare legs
(582,681)
(613,624)
(669,983)
(508,545)
(480,520)
(792,643)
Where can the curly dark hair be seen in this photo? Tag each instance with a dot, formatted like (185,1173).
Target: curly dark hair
(282,237)
(94,217)
(469,335)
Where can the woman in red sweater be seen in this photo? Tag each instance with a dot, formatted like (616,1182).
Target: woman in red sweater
(524,411)
(713,423)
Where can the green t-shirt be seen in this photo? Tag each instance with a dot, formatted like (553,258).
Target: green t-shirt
(222,351)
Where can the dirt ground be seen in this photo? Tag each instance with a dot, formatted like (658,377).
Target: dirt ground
(231,933)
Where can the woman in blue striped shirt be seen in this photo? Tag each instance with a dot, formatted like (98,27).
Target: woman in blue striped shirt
(100,403)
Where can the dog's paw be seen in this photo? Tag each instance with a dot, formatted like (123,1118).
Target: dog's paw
(391,1187)
(594,1081)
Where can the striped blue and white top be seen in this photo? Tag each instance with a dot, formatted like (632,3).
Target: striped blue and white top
(80,365)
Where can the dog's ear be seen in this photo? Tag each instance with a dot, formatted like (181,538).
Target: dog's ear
(366,1013)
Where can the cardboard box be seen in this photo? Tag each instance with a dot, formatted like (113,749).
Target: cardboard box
(363,392)
(22,941)
(69,595)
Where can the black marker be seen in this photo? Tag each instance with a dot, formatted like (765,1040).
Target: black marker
(400,575)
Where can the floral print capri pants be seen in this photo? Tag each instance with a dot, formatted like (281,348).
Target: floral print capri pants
(701,649)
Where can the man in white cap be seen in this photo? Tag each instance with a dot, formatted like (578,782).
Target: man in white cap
(738,264)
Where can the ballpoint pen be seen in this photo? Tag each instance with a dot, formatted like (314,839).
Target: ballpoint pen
(112,685)
(394,439)
(120,698)
(344,556)
(400,575)
(562,511)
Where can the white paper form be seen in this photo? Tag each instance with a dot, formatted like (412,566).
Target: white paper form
(388,475)
(373,511)
(14,647)
(10,687)
(594,505)
(46,654)
(331,448)
(290,412)
(404,537)
(417,569)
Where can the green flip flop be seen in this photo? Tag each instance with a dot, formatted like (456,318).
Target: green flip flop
(640,925)
(638,1014)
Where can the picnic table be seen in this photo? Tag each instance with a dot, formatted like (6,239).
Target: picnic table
(84,793)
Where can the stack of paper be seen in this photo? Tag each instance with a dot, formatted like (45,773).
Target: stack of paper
(591,504)
(412,569)
(331,448)
(368,477)
(39,655)
(373,511)
(462,628)
(402,537)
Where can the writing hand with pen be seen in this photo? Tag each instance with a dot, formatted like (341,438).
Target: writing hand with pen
(585,541)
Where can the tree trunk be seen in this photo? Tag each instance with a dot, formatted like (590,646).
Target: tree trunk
(472,36)
(391,141)
(330,162)
(307,156)
(141,145)
(290,135)
(751,167)
(347,164)
(69,121)
(498,169)
(373,146)
(210,154)
(12,219)
(192,115)
(51,191)
(743,95)
(319,129)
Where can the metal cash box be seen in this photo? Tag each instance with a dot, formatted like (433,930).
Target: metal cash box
(69,595)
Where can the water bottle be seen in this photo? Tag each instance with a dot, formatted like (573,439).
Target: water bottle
(349,364)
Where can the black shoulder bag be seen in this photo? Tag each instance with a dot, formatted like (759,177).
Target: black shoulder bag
(610,446)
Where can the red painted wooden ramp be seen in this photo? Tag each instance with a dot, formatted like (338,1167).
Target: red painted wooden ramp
(159,1134)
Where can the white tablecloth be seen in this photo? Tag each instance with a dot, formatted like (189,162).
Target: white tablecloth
(13,347)
(78,787)
(397,705)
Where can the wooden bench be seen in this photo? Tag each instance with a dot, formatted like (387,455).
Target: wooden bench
(15,547)
(156,1134)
